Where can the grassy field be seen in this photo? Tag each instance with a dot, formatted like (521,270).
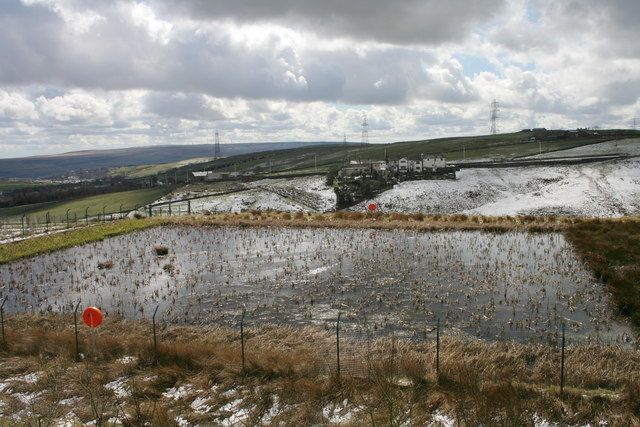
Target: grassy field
(289,378)
(148,170)
(112,201)
(17,185)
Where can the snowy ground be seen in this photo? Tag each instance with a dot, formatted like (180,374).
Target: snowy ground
(286,194)
(597,189)
(188,404)
(624,146)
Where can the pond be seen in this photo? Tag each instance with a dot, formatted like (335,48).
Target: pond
(513,285)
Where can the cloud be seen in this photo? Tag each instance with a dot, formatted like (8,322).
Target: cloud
(75,73)
(16,106)
(75,107)
(422,22)
(181,105)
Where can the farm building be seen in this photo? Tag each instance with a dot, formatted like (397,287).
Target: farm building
(213,176)
(404,165)
(356,168)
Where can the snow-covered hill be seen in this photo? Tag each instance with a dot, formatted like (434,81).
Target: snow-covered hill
(595,189)
(309,194)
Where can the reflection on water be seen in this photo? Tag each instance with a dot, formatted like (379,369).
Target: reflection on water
(494,286)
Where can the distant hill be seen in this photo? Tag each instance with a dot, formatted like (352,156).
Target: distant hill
(298,156)
(58,165)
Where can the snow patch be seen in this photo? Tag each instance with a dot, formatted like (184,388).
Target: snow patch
(199,405)
(70,401)
(127,360)
(340,414)
(441,420)
(272,412)
(119,387)
(177,393)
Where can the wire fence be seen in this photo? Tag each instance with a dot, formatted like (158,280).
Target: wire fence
(24,226)
(32,225)
(354,348)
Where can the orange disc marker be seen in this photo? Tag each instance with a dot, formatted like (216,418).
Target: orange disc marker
(92,317)
(372,207)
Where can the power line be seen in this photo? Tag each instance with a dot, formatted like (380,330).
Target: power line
(494,117)
(365,129)
(216,148)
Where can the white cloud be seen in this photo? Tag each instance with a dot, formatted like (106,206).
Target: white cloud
(75,106)
(16,106)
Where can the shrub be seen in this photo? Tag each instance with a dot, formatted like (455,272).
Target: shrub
(105,265)
(161,250)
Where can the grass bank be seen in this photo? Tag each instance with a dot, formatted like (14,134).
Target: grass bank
(76,237)
(612,249)
(290,377)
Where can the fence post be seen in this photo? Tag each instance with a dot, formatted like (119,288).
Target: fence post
(68,217)
(22,222)
(47,222)
(75,328)
(155,342)
(86,216)
(438,351)
(244,311)
(4,342)
(150,212)
(562,364)
(169,209)
(393,354)
(338,344)
(189,207)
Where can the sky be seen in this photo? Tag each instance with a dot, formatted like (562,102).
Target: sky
(79,75)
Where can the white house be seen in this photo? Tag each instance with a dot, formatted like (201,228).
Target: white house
(433,162)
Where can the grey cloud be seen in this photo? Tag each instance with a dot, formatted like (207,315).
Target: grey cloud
(622,92)
(401,21)
(180,105)
(116,55)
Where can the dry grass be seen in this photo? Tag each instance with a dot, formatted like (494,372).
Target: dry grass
(389,381)
(611,248)
(416,221)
